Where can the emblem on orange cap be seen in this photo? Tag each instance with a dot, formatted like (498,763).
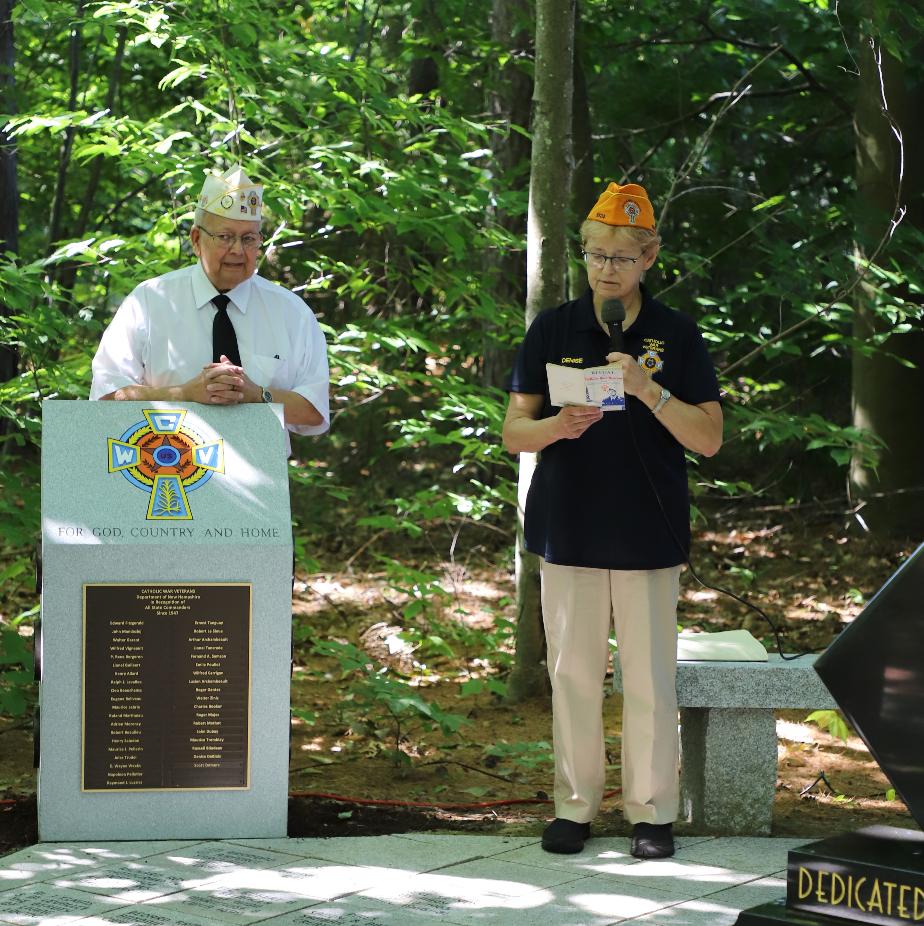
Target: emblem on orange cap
(632,210)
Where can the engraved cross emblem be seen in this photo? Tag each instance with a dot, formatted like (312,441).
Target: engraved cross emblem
(167,459)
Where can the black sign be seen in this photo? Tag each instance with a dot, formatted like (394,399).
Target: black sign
(166,687)
(875,875)
(776,912)
(875,670)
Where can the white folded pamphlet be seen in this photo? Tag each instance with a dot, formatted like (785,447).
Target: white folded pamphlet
(598,386)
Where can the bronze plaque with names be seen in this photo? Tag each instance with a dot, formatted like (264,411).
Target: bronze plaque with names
(166,686)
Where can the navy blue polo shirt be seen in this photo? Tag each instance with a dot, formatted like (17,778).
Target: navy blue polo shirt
(590,502)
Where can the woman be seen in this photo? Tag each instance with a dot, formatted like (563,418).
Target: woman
(608,511)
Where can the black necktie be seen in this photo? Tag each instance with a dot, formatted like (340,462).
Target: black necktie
(224,340)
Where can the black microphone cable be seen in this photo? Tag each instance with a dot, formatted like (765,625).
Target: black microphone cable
(613,313)
(686,556)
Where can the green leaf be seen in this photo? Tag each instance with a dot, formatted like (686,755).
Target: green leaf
(831,721)
(178,75)
(108,147)
(768,203)
(472,686)
(162,147)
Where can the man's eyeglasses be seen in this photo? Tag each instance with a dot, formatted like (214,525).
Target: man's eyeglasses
(249,241)
(599,261)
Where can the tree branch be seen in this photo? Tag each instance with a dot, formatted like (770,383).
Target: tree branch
(737,92)
(898,213)
(708,260)
(810,78)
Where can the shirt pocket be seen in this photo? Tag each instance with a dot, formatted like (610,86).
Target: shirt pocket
(270,371)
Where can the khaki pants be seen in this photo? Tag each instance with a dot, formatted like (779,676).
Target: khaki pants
(578,605)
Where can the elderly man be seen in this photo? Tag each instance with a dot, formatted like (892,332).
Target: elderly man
(216,332)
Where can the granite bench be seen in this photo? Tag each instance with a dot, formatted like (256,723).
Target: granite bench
(728,736)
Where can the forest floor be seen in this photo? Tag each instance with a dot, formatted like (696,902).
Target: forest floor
(366,758)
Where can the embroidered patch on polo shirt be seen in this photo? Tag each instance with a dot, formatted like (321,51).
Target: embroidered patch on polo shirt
(652,361)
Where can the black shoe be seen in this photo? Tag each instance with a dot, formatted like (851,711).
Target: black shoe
(565,836)
(652,840)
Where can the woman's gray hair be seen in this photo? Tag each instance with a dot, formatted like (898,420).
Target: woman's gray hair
(646,238)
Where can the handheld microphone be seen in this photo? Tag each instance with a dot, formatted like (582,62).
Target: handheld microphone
(612,314)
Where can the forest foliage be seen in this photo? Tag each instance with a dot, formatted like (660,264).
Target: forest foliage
(380,132)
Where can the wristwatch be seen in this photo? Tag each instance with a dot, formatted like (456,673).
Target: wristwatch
(662,401)
(267,396)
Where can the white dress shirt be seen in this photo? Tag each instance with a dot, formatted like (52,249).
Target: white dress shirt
(161,335)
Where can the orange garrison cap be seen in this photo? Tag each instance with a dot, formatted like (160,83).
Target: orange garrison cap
(624,205)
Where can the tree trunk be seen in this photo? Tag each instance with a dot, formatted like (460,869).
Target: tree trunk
(584,186)
(96,165)
(886,393)
(64,158)
(9,190)
(68,273)
(546,279)
(510,100)
(424,73)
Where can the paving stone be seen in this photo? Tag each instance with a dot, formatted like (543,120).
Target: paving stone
(675,876)
(579,903)
(597,851)
(719,909)
(363,911)
(351,913)
(130,882)
(484,846)
(145,916)
(206,859)
(233,905)
(313,878)
(43,904)
(759,855)
(615,900)
(492,876)
(49,860)
(583,901)
(12,879)
(356,911)
(386,852)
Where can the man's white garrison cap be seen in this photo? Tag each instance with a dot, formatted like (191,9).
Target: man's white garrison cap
(232,195)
